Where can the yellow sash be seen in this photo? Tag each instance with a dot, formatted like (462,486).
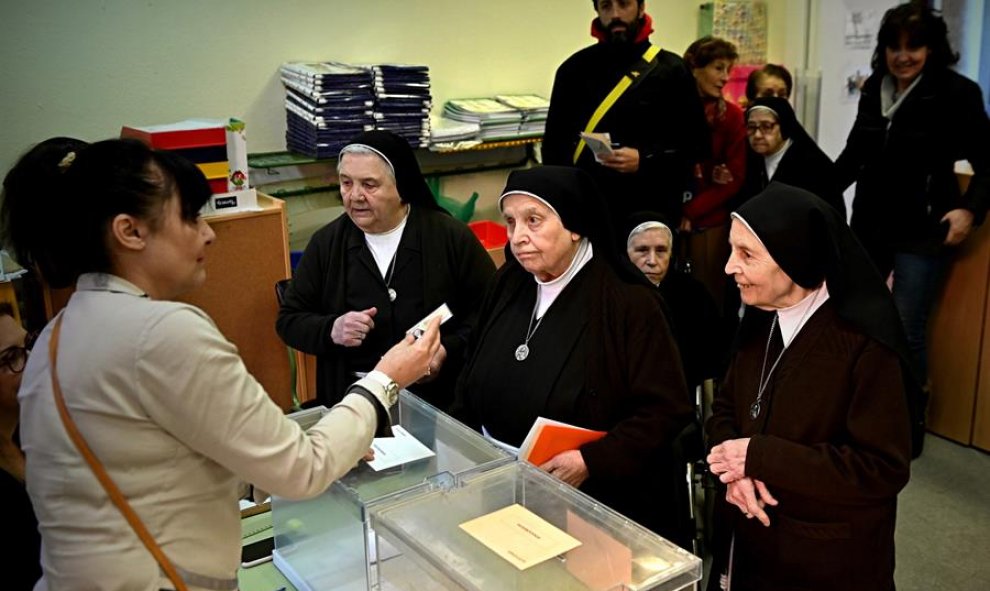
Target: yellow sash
(606,104)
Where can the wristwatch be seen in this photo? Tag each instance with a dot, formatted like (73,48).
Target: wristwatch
(389,387)
(383,393)
(391,393)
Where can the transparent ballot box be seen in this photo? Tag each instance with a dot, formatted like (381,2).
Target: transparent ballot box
(614,554)
(324,542)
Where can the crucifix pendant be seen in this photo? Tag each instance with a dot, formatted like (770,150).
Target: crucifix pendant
(754,410)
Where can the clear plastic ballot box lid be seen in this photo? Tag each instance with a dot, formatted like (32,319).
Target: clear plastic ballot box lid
(325,542)
(433,552)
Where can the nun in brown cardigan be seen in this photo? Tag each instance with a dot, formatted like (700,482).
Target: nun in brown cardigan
(811,429)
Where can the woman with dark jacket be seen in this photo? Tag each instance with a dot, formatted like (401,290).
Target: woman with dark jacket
(916,118)
(781,150)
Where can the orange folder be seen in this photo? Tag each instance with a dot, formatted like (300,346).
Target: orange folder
(550,438)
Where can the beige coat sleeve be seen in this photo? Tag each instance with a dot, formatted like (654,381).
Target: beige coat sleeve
(195,385)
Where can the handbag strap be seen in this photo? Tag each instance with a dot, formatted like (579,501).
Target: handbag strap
(101,474)
(639,71)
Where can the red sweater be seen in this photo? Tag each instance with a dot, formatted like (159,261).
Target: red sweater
(707,208)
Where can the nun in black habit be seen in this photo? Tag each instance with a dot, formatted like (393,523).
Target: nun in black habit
(373,273)
(572,331)
(692,313)
(811,429)
(781,150)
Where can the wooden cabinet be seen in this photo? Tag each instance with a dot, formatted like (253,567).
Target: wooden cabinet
(249,255)
(959,345)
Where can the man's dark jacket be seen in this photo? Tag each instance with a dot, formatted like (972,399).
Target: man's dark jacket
(661,116)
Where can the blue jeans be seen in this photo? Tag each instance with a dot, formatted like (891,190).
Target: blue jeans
(916,282)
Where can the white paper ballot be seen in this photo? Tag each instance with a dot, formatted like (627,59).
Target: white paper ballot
(443,312)
(400,449)
(599,143)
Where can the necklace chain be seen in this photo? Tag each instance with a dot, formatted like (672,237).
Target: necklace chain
(756,407)
(522,351)
(388,279)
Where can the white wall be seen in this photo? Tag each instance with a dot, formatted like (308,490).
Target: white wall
(85,67)
(965,21)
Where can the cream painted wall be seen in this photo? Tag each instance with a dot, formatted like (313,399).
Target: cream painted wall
(85,67)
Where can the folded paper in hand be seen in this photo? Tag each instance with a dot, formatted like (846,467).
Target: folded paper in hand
(548,437)
(599,143)
(443,312)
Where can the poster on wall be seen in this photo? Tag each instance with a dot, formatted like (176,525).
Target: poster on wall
(861,27)
(743,23)
(853,77)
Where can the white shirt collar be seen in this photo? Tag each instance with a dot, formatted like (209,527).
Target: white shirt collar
(549,290)
(773,160)
(107,282)
(793,319)
(384,244)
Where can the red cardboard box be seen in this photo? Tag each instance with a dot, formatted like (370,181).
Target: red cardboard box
(491,234)
(175,136)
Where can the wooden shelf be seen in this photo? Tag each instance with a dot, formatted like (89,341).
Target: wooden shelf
(265,160)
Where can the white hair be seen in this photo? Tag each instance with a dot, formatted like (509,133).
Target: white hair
(650,225)
(365,149)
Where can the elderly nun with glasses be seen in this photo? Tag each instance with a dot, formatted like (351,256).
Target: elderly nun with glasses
(781,150)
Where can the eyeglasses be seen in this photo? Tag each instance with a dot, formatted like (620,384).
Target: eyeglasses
(763,127)
(13,359)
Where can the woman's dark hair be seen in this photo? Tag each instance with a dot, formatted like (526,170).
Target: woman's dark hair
(772,70)
(923,26)
(60,197)
(708,49)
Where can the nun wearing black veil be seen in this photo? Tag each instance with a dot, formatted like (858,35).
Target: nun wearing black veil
(811,429)
(693,315)
(572,331)
(373,273)
(781,150)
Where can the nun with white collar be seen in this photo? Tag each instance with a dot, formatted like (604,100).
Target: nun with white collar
(373,273)
(572,331)
(811,428)
(781,150)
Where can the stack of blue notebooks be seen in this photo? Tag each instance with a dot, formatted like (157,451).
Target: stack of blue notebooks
(326,105)
(403,101)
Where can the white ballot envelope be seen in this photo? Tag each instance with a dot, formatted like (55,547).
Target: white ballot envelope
(443,312)
(395,451)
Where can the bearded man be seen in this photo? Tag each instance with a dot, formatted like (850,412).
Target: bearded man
(645,98)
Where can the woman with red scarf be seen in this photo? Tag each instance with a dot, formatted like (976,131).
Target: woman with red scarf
(706,215)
